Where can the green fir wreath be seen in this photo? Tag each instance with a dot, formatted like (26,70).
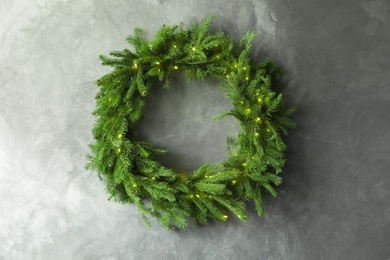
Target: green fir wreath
(127,164)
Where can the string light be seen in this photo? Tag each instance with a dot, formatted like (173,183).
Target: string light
(231,68)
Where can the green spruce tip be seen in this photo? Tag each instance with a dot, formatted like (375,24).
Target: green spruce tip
(127,165)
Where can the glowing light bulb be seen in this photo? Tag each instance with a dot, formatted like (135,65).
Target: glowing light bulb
(174,46)
(225,217)
(197,196)
(175,67)
(247,78)
(157,62)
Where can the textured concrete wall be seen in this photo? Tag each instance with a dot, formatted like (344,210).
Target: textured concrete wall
(334,202)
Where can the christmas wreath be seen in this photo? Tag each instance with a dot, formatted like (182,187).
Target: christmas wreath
(127,164)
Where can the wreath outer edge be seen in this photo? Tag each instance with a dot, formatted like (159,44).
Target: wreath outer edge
(256,157)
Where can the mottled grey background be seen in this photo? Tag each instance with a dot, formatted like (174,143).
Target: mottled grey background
(334,202)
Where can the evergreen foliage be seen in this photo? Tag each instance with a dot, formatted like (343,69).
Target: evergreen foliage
(127,165)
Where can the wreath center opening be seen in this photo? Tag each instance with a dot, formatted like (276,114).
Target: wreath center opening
(181,120)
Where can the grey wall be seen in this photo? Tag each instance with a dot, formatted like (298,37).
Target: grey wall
(334,202)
